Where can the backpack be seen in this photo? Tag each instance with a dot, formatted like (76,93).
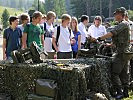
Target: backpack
(58,34)
(44,30)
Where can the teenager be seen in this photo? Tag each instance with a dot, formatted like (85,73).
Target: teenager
(33,31)
(11,38)
(77,36)
(62,45)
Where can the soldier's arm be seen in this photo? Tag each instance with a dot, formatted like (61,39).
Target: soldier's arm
(24,38)
(108,35)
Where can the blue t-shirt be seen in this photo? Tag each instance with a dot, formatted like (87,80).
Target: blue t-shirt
(13,40)
(75,46)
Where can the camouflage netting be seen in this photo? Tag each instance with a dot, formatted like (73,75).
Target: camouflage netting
(74,81)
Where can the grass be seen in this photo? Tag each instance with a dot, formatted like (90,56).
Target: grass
(12,11)
(130,97)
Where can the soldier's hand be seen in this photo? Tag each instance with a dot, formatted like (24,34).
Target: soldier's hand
(93,39)
(99,39)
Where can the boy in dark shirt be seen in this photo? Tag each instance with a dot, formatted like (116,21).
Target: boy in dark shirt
(11,38)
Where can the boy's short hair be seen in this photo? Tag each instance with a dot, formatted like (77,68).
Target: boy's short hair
(50,14)
(65,17)
(12,19)
(84,17)
(37,14)
(24,16)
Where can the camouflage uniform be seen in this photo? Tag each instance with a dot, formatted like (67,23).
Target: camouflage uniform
(120,68)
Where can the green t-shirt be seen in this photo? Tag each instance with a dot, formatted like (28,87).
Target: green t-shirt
(34,33)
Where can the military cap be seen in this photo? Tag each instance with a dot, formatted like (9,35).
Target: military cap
(120,10)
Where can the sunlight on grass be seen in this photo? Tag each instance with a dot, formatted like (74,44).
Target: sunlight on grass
(12,11)
(131,96)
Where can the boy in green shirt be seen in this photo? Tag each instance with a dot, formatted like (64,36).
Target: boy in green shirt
(33,32)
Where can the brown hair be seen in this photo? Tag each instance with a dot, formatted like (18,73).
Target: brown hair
(74,19)
(36,14)
(50,14)
(24,16)
(65,17)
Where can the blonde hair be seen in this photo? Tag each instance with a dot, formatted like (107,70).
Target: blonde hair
(65,17)
(50,14)
(37,14)
(74,19)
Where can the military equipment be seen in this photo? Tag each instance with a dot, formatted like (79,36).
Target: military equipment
(4,96)
(75,78)
(46,87)
(38,97)
(32,54)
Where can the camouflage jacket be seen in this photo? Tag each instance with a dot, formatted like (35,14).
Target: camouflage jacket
(121,37)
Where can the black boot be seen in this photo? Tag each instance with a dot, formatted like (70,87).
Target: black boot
(119,95)
(125,92)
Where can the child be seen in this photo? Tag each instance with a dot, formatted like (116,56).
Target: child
(11,38)
(24,19)
(48,28)
(77,36)
(33,32)
(62,45)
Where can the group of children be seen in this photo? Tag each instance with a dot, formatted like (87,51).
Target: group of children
(64,39)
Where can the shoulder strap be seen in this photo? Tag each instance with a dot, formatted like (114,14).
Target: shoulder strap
(44,26)
(58,33)
(69,31)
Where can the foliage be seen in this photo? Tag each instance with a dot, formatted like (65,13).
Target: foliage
(25,4)
(11,11)
(58,6)
(130,12)
(5,18)
(97,7)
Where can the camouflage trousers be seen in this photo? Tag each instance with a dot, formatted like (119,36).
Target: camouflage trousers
(120,71)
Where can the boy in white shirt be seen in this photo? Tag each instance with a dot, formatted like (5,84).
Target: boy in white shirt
(82,29)
(65,39)
(49,30)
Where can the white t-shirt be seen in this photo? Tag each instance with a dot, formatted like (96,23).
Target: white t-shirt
(48,40)
(96,32)
(64,44)
(21,27)
(83,32)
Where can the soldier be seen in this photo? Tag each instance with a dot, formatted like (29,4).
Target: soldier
(120,69)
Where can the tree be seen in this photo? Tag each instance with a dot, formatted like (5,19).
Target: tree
(5,18)
(58,6)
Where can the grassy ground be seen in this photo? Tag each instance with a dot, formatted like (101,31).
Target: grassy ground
(12,11)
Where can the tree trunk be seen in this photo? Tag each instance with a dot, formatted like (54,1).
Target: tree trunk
(100,7)
(110,8)
(88,7)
